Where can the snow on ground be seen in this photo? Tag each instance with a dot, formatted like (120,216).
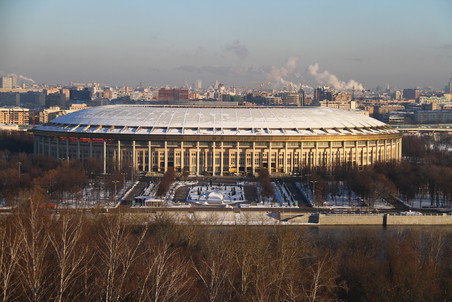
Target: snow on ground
(424,202)
(206,194)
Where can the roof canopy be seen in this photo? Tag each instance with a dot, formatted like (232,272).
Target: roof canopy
(214,120)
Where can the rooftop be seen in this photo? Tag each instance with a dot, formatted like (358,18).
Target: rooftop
(216,120)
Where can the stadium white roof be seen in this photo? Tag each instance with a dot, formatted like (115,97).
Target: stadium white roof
(216,120)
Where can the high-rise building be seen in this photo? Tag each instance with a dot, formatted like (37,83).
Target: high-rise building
(9,99)
(15,115)
(198,84)
(411,94)
(323,94)
(33,98)
(449,87)
(6,82)
(176,94)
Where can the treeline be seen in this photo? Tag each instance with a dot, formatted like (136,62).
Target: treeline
(405,180)
(16,141)
(72,257)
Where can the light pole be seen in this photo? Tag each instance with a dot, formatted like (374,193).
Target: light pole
(313,194)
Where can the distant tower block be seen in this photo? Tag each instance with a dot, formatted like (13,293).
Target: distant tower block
(198,84)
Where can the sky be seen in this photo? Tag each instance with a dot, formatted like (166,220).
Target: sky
(343,44)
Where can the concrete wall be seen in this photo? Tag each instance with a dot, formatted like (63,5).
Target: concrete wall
(375,219)
(369,219)
(419,219)
(199,217)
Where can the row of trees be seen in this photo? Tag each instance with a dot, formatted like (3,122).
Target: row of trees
(265,183)
(165,182)
(385,180)
(71,257)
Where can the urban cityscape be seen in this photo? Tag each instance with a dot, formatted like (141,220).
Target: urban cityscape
(256,151)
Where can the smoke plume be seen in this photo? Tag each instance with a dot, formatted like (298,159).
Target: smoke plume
(17,76)
(278,74)
(327,78)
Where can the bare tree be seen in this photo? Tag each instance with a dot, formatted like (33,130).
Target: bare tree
(322,278)
(213,269)
(10,244)
(33,226)
(70,252)
(118,251)
(166,275)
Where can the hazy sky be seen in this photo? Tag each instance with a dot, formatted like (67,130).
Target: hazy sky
(404,43)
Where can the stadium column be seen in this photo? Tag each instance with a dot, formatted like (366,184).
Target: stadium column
(182,157)
(67,148)
(292,160)
(343,153)
(90,148)
(197,158)
(385,150)
(78,148)
(300,157)
(330,157)
(316,154)
(392,157)
(356,153)
(285,158)
(269,158)
(58,147)
(118,155)
(134,156)
(165,167)
(149,157)
(237,163)
(253,158)
(399,143)
(105,157)
(221,158)
(50,146)
(367,152)
(213,158)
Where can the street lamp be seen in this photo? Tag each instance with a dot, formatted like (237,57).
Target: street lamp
(313,182)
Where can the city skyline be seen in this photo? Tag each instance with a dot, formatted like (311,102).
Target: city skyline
(342,44)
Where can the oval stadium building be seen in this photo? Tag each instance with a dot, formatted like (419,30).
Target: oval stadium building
(218,140)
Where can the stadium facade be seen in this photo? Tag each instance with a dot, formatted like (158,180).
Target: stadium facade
(218,140)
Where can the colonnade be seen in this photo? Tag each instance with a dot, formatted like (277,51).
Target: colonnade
(223,157)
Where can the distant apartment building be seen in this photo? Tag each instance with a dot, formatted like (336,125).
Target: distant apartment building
(55,99)
(292,99)
(47,115)
(175,94)
(448,88)
(432,117)
(51,113)
(411,94)
(6,82)
(84,94)
(15,115)
(433,100)
(339,105)
(9,99)
(381,110)
(323,94)
(32,98)
(198,84)
(343,96)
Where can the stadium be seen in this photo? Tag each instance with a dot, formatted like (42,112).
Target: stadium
(218,140)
